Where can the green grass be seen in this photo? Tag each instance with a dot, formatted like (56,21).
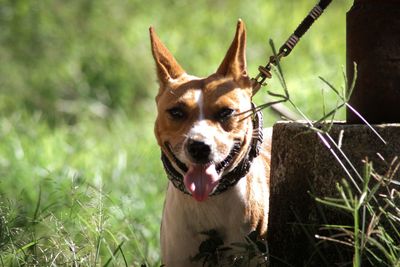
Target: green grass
(87,185)
(374,236)
(80,177)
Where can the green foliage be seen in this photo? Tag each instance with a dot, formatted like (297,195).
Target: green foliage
(65,58)
(62,57)
(78,195)
(374,235)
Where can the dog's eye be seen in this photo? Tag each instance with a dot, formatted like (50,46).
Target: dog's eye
(176,113)
(224,114)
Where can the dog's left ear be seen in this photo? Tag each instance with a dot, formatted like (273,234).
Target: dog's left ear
(234,63)
(167,66)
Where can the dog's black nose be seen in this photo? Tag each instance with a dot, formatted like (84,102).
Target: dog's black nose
(199,151)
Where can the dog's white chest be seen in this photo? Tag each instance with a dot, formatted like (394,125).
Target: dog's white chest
(184,219)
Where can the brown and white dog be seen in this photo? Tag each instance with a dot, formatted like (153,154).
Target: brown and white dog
(210,148)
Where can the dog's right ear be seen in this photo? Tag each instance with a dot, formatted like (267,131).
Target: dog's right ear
(167,67)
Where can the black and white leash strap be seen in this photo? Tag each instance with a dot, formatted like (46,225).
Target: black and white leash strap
(287,47)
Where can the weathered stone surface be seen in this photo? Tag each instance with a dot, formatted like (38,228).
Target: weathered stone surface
(301,163)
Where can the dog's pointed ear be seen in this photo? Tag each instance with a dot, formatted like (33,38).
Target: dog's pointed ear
(234,63)
(167,67)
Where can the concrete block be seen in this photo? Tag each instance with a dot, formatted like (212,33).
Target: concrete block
(300,164)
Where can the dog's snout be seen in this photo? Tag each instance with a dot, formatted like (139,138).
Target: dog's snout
(199,151)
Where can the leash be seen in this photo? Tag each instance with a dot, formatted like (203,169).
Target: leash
(287,47)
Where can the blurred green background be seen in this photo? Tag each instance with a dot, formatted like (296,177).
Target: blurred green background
(80,176)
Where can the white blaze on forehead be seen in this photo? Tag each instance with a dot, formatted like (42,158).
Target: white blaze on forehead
(200,129)
(199,99)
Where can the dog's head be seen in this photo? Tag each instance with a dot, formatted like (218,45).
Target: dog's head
(200,121)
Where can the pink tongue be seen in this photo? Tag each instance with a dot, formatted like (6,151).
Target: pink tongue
(200,180)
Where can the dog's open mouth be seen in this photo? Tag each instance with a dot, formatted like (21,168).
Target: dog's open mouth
(202,179)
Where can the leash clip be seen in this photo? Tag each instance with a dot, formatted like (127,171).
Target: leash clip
(287,47)
(264,72)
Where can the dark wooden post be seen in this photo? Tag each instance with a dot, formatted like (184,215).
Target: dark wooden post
(373,42)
